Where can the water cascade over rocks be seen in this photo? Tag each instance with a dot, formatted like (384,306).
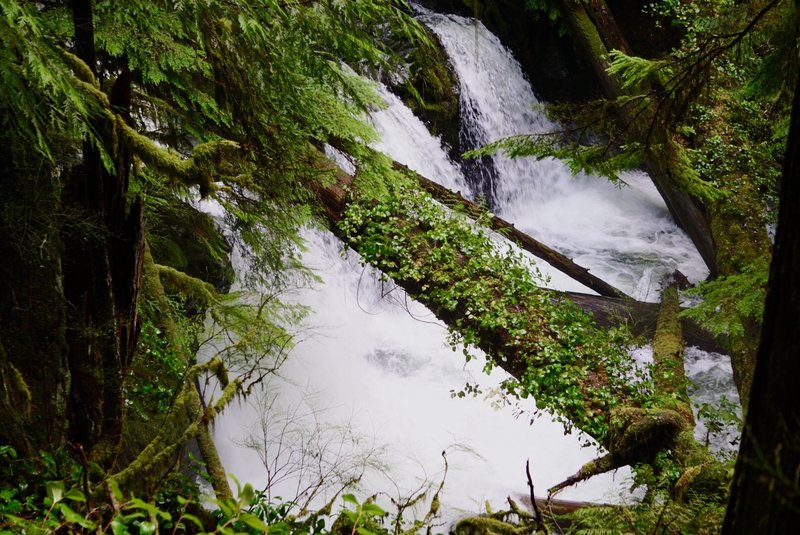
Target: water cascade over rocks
(367,390)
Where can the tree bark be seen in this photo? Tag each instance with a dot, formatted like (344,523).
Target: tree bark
(34,377)
(102,272)
(766,489)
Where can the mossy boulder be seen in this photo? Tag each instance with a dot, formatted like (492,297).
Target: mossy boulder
(428,85)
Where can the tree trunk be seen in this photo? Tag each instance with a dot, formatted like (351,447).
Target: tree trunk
(102,273)
(766,489)
(34,377)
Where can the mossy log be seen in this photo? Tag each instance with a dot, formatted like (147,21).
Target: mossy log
(702,473)
(669,373)
(631,432)
(611,308)
(640,317)
(641,433)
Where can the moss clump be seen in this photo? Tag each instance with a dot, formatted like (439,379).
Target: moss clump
(484,525)
(637,435)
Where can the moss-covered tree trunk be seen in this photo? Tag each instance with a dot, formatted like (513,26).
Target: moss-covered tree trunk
(766,490)
(34,378)
(102,272)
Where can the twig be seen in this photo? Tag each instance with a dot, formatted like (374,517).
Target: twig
(537,514)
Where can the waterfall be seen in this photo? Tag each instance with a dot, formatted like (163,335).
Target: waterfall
(372,373)
(624,235)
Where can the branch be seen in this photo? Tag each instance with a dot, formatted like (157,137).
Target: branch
(537,515)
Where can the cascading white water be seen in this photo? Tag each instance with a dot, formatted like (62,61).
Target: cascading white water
(623,234)
(404,137)
(373,372)
(378,364)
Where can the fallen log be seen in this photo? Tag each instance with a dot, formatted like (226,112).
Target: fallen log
(611,308)
(699,470)
(509,231)
(568,364)
(571,366)
(640,317)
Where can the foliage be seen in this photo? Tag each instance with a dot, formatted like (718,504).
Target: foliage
(158,368)
(49,495)
(601,160)
(364,518)
(719,417)
(696,516)
(489,294)
(550,10)
(41,100)
(727,302)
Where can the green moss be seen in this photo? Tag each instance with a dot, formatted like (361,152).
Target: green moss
(638,434)
(430,89)
(484,525)
(668,368)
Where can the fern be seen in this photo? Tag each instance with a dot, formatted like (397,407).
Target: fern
(636,72)
(728,301)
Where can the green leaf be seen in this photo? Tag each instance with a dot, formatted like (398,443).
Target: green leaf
(151,509)
(75,495)
(193,519)
(246,495)
(118,526)
(73,517)
(146,527)
(373,509)
(254,522)
(55,490)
